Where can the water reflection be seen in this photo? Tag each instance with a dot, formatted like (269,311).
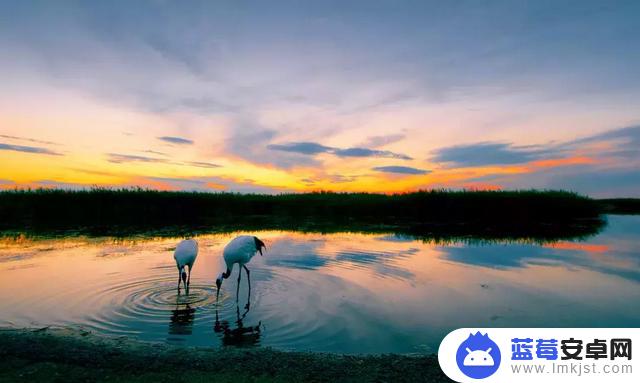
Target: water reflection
(597,257)
(240,335)
(182,318)
(341,292)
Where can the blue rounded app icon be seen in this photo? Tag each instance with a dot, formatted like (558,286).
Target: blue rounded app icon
(478,356)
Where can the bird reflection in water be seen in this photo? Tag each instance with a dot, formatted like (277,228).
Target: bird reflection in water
(182,320)
(241,335)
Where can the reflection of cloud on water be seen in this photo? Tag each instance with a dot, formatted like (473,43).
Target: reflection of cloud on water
(296,254)
(312,255)
(380,261)
(586,247)
(18,267)
(613,252)
(495,256)
(600,257)
(23,256)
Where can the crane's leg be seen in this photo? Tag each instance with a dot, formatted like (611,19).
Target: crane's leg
(238,288)
(249,281)
(189,277)
(178,281)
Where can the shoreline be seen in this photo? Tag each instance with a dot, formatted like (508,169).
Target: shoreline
(63,354)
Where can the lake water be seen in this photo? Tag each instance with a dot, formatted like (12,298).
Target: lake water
(348,293)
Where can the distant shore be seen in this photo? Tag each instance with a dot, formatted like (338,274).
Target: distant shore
(50,355)
(626,206)
(544,215)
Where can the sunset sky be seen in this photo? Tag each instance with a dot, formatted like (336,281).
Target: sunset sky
(290,96)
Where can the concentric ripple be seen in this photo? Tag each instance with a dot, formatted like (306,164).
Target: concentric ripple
(153,308)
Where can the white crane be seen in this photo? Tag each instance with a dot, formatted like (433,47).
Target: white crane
(185,255)
(240,250)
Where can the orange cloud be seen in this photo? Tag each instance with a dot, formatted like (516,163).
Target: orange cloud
(555,162)
(215,186)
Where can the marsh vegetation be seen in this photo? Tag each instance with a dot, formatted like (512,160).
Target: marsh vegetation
(546,215)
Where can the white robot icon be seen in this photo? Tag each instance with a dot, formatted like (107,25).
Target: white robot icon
(478,358)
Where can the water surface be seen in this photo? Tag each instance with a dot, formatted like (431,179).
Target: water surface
(348,293)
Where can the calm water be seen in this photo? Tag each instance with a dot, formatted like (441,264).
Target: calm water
(351,293)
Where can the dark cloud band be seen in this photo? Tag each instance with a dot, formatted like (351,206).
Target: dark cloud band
(401,170)
(488,153)
(117,158)
(313,148)
(28,149)
(202,164)
(176,140)
(122,158)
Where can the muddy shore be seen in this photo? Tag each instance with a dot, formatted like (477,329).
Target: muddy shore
(64,355)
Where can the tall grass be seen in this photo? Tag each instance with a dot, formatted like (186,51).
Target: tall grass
(457,212)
